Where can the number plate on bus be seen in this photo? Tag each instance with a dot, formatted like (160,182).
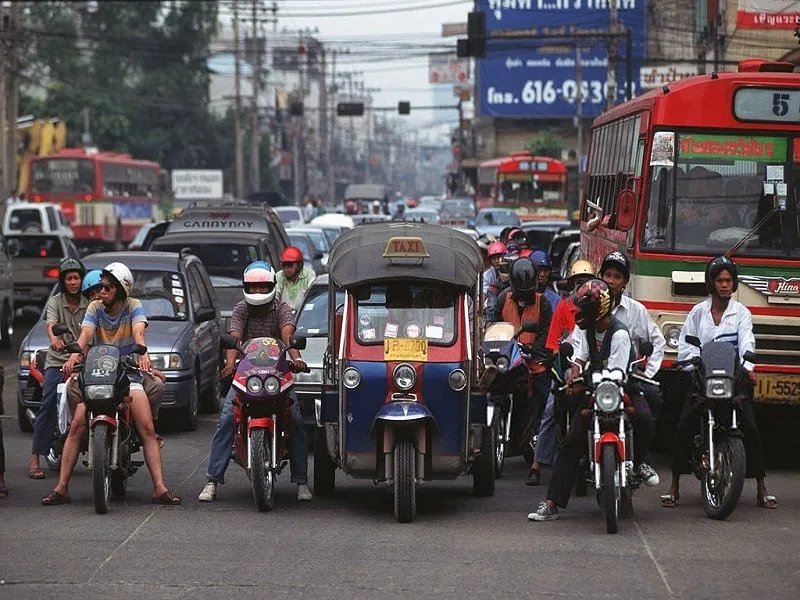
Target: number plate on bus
(777,387)
(405,349)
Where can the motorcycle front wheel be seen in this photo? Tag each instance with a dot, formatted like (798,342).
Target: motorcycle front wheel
(261,473)
(610,490)
(721,489)
(101,467)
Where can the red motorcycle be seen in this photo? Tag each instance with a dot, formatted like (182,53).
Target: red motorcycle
(262,411)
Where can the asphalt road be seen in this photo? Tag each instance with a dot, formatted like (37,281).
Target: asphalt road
(350,546)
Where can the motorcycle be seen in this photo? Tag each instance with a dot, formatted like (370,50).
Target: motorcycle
(610,436)
(104,380)
(262,411)
(718,457)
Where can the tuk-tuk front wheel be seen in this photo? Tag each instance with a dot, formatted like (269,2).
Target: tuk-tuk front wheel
(484,464)
(405,489)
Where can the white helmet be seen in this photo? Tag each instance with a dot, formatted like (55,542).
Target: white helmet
(259,272)
(121,275)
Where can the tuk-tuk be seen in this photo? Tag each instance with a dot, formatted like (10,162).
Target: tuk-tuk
(402,357)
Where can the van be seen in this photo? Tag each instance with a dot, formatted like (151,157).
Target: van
(36,217)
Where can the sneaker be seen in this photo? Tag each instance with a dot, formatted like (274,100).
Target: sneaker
(534,477)
(648,475)
(544,513)
(209,493)
(303,493)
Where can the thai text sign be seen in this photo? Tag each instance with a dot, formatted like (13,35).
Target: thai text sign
(733,147)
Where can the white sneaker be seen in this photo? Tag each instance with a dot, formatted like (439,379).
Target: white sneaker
(303,493)
(209,493)
(544,513)
(648,475)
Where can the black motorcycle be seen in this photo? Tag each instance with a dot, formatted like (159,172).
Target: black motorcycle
(718,456)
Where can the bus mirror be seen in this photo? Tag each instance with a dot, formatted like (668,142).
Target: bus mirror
(626,209)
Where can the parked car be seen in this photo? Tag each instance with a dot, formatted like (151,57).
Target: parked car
(35,259)
(493,220)
(35,217)
(183,335)
(290,215)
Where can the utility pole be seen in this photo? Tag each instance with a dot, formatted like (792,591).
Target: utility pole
(611,82)
(3,129)
(238,105)
(255,131)
(579,113)
(13,101)
(330,140)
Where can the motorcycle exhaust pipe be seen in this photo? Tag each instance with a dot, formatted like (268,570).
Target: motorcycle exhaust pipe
(89,452)
(249,448)
(711,457)
(30,414)
(115,443)
(274,458)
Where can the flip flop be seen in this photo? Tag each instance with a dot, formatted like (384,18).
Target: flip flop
(669,500)
(768,501)
(54,498)
(36,473)
(167,498)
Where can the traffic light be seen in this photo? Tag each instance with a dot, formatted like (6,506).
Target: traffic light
(350,109)
(404,108)
(475,44)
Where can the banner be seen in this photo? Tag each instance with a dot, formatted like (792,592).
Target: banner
(447,68)
(768,14)
(533,77)
(656,76)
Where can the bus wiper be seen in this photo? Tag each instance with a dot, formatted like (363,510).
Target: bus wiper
(751,233)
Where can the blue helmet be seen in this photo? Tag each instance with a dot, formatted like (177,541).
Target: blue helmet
(91,280)
(541,260)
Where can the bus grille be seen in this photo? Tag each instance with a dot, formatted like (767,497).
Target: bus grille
(777,344)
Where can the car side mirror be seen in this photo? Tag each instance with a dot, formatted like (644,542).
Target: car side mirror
(318,256)
(297,342)
(73,348)
(228,342)
(693,340)
(646,348)
(60,329)
(530,326)
(750,357)
(139,349)
(205,314)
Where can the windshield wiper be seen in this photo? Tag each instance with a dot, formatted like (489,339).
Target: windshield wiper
(752,232)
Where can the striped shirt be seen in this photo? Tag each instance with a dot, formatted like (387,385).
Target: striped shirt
(116,331)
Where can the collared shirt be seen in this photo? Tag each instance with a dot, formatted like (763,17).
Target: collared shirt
(641,327)
(735,326)
(620,347)
(57,311)
(490,277)
(115,331)
(291,292)
(260,321)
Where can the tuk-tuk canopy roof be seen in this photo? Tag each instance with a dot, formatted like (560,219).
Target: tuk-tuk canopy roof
(421,251)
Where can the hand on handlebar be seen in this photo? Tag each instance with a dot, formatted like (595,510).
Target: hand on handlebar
(227,370)
(58,345)
(145,364)
(69,366)
(298,365)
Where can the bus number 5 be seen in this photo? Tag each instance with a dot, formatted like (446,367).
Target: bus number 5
(780,104)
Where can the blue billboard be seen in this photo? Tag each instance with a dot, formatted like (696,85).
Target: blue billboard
(537,78)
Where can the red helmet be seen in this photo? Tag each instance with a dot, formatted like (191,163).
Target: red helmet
(496,249)
(593,301)
(292,254)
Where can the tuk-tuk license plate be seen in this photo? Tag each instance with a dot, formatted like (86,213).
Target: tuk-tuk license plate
(405,349)
(777,387)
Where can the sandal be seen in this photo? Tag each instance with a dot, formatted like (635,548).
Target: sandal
(167,498)
(36,473)
(55,498)
(670,500)
(768,501)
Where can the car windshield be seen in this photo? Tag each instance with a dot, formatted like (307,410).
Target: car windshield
(288,214)
(312,319)
(406,311)
(37,246)
(228,291)
(219,258)
(500,218)
(302,242)
(24,217)
(457,209)
(162,294)
(317,238)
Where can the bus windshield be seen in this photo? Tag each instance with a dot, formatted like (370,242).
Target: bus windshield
(708,191)
(68,175)
(531,192)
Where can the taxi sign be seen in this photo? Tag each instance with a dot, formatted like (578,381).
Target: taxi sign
(413,349)
(405,247)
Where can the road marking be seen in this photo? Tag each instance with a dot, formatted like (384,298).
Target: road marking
(653,558)
(123,544)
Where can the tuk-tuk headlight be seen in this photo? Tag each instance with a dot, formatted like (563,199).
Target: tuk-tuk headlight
(254,384)
(608,396)
(404,377)
(99,392)
(351,378)
(457,380)
(719,387)
(502,364)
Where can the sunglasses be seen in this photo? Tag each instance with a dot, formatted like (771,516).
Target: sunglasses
(286,265)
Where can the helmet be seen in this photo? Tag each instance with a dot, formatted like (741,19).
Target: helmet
(259,272)
(593,301)
(715,266)
(581,267)
(515,232)
(91,280)
(513,248)
(121,275)
(620,261)
(541,259)
(290,254)
(496,248)
(524,279)
(67,265)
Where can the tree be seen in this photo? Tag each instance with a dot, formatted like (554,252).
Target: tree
(547,143)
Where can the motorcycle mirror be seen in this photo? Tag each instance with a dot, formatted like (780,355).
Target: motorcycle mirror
(60,329)
(298,342)
(750,356)
(73,347)
(646,348)
(139,349)
(530,326)
(694,341)
(228,342)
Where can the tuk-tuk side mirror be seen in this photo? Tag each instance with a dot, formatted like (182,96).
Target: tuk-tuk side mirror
(297,342)
(694,341)
(60,329)
(530,326)
(228,342)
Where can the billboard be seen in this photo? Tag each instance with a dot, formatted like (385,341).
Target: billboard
(447,68)
(768,14)
(197,184)
(537,77)
(652,76)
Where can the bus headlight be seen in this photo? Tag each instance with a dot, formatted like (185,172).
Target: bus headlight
(608,396)
(672,334)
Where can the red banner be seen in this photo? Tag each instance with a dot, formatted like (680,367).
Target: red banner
(768,14)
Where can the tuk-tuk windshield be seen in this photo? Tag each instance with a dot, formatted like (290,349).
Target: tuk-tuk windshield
(406,311)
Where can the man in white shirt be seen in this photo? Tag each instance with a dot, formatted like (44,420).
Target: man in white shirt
(720,318)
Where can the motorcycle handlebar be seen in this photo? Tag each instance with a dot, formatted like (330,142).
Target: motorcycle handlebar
(577,380)
(644,379)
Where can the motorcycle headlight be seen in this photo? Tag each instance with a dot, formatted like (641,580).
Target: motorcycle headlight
(254,384)
(502,364)
(351,378)
(672,334)
(404,377)
(272,385)
(99,392)
(719,387)
(457,380)
(608,396)
(165,361)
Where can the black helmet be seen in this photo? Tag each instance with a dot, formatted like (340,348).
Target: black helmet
(67,265)
(620,261)
(524,279)
(715,266)
(593,301)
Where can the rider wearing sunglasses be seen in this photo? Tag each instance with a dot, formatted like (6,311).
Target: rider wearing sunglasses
(294,278)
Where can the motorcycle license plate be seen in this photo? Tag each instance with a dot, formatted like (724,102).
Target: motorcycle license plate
(405,349)
(777,387)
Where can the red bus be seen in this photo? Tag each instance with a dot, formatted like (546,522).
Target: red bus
(536,186)
(706,166)
(96,190)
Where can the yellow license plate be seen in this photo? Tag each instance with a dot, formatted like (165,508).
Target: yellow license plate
(777,387)
(405,349)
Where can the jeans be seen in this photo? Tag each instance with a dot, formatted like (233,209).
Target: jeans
(548,428)
(222,444)
(46,419)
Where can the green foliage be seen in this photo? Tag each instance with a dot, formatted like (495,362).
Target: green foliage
(546,143)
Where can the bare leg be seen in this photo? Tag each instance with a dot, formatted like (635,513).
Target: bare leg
(72,447)
(143,417)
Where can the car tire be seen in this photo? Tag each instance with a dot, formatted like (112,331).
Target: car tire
(188,414)
(211,399)
(25,426)
(6,326)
